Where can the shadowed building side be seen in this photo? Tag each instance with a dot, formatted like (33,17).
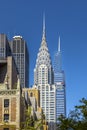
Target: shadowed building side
(12,105)
(20,54)
(4,47)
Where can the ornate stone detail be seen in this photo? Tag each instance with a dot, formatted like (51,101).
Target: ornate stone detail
(10,92)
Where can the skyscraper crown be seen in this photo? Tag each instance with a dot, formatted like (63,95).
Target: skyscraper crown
(43,56)
(43,62)
(57,59)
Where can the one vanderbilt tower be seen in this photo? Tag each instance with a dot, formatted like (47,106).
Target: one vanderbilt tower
(59,81)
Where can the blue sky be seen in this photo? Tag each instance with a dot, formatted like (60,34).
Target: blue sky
(67,18)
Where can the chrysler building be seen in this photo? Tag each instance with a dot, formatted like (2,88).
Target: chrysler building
(43,79)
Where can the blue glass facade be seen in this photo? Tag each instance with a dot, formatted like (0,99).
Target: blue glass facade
(57,62)
(59,81)
(60,100)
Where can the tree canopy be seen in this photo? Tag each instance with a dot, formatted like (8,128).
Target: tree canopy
(76,120)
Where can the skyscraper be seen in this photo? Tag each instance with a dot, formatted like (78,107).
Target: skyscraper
(59,81)
(43,78)
(20,53)
(4,47)
(12,103)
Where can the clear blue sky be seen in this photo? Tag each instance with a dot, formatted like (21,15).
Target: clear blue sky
(67,18)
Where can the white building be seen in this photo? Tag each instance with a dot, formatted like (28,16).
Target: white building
(43,79)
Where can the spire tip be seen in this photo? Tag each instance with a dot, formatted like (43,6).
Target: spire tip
(43,25)
(59,45)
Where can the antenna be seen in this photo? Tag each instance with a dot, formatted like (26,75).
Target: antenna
(43,25)
(59,44)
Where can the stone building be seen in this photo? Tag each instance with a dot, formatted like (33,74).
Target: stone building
(11,100)
(32,96)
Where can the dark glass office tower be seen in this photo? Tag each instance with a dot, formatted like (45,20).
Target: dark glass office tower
(4,53)
(20,53)
(59,81)
(4,47)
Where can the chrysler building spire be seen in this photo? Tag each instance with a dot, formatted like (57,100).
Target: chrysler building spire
(43,59)
(43,26)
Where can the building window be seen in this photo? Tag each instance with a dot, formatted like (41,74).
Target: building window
(6,117)
(31,94)
(6,102)
(6,129)
(14,46)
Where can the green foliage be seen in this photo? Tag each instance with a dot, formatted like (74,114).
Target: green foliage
(77,119)
(31,123)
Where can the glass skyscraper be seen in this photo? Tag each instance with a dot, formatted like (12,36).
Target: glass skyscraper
(59,81)
(4,47)
(20,53)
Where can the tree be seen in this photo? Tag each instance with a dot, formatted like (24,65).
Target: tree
(76,120)
(31,123)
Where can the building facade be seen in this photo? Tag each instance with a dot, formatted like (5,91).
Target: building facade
(20,54)
(12,105)
(11,100)
(59,81)
(4,47)
(43,79)
(32,96)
